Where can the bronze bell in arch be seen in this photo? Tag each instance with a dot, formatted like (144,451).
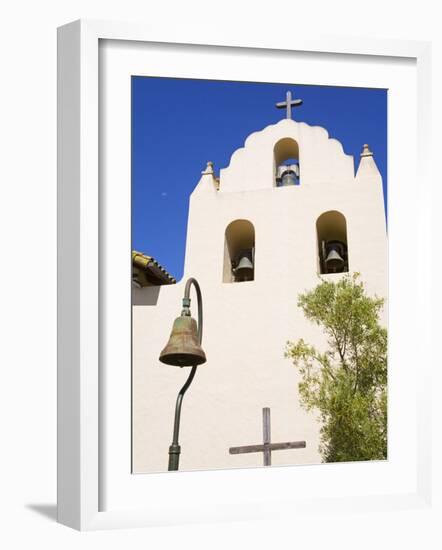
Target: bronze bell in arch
(288,174)
(288,178)
(334,260)
(244,270)
(183,348)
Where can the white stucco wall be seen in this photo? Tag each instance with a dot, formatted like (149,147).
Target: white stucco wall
(246,325)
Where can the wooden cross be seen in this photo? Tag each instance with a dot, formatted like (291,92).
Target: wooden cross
(288,104)
(267,447)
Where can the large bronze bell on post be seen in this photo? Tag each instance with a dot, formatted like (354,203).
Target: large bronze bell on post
(184,350)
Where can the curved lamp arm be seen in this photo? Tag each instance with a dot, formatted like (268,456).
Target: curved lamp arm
(175,449)
(191,281)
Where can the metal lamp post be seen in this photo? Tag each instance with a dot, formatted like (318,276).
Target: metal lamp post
(184,350)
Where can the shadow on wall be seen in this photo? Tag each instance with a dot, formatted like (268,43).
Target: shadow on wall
(146,296)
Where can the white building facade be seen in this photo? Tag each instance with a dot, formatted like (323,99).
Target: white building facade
(285,231)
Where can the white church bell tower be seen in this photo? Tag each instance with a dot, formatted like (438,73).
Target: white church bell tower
(287,209)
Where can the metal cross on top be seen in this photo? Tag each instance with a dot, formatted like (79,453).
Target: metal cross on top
(288,104)
(267,447)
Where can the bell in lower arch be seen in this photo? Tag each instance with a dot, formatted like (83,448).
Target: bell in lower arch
(244,268)
(183,349)
(334,261)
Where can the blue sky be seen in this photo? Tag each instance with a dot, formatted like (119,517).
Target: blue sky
(180,124)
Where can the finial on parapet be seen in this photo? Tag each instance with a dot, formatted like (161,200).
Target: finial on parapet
(209,169)
(366,151)
(367,166)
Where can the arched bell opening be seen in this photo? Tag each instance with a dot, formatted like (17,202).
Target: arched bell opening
(286,163)
(239,252)
(331,228)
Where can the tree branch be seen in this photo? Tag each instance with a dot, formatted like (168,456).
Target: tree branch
(324,365)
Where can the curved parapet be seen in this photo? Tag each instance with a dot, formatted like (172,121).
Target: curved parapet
(322,159)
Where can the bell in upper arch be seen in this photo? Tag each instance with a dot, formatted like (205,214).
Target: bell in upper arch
(288,178)
(244,267)
(288,175)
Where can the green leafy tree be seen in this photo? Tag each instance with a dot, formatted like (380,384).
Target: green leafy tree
(347,383)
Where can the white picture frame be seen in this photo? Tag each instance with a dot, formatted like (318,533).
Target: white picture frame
(82,466)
